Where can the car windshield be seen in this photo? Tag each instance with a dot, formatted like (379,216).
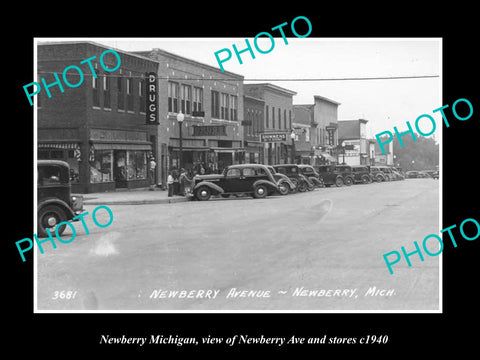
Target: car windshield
(51,175)
(233,172)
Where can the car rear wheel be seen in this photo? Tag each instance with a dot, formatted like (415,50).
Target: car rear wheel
(348,181)
(203,193)
(260,191)
(48,218)
(339,182)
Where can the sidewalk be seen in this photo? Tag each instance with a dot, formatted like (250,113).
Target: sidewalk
(132,197)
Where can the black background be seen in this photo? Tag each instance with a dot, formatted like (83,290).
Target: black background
(409,334)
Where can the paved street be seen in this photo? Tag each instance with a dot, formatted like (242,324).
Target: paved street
(319,250)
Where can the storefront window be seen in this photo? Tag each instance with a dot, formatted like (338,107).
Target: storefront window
(136,165)
(69,156)
(101,166)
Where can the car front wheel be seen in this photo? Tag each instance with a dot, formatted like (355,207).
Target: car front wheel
(302,186)
(339,182)
(48,218)
(283,188)
(260,191)
(203,193)
(366,179)
(348,181)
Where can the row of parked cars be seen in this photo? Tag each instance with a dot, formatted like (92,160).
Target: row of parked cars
(260,180)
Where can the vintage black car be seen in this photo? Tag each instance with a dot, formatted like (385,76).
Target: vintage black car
(377,174)
(55,203)
(285,185)
(361,174)
(295,174)
(250,179)
(311,174)
(337,175)
(389,174)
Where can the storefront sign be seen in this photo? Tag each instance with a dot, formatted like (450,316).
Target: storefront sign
(209,130)
(151,98)
(331,136)
(273,137)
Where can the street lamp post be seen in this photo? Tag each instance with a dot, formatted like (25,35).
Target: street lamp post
(180,118)
(292,136)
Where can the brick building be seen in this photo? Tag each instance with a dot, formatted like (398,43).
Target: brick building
(98,127)
(277,124)
(212,104)
(254,125)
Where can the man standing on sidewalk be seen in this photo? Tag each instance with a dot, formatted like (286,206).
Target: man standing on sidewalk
(151,173)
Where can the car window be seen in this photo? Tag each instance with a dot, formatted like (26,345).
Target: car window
(261,171)
(233,172)
(49,175)
(248,172)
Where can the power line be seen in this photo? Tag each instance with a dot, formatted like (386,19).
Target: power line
(261,79)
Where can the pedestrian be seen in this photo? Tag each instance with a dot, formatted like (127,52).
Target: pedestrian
(185,183)
(151,173)
(170,184)
(176,183)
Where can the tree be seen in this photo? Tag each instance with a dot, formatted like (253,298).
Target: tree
(424,153)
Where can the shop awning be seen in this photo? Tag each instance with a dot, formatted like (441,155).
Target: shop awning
(58,145)
(227,150)
(327,156)
(190,148)
(122,146)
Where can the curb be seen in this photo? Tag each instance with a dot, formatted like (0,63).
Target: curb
(136,202)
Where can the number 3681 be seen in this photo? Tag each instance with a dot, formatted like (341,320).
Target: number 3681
(64,295)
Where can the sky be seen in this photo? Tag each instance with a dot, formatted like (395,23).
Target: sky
(384,103)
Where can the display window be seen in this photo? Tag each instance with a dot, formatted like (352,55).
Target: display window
(101,166)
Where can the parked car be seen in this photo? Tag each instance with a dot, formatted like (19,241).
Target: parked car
(424,174)
(436,174)
(413,174)
(295,174)
(389,175)
(337,175)
(55,203)
(361,174)
(377,174)
(398,173)
(249,179)
(311,174)
(285,185)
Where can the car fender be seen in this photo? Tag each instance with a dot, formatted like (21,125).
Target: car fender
(58,202)
(288,181)
(217,189)
(265,182)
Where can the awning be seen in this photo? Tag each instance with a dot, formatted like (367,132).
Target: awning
(327,156)
(227,150)
(190,148)
(122,146)
(58,145)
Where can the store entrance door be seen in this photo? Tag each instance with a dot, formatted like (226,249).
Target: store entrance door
(120,168)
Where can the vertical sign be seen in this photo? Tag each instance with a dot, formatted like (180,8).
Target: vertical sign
(151,98)
(331,136)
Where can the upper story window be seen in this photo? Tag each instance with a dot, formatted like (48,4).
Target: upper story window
(173,95)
